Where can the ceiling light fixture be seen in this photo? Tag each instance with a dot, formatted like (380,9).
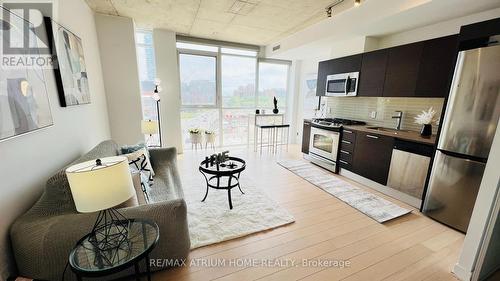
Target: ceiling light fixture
(357,3)
(329,8)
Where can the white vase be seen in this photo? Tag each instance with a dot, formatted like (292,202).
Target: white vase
(210,139)
(195,140)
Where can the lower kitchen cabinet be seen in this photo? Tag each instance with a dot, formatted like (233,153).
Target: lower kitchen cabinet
(372,157)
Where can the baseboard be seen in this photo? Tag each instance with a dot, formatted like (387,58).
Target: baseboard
(410,200)
(461,273)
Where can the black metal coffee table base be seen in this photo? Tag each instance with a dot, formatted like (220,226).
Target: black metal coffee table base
(229,186)
(215,177)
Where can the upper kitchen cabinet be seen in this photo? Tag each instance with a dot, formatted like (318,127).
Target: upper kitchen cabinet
(336,66)
(403,64)
(436,67)
(323,70)
(372,75)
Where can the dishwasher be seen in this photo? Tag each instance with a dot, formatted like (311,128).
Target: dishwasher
(409,167)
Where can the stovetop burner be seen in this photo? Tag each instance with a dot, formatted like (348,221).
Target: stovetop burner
(337,122)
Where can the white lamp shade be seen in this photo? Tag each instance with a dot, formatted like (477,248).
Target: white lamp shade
(149,127)
(95,188)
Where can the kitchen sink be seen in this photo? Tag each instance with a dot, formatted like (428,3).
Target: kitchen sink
(388,130)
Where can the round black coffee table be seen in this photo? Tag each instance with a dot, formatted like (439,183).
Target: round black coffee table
(225,175)
(143,236)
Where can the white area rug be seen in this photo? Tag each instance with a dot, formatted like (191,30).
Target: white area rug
(369,204)
(212,221)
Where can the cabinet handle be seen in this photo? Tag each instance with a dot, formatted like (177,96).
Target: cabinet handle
(344,141)
(345,152)
(343,162)
(347,131)
(372,136)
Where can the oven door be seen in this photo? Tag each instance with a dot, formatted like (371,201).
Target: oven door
(324,143)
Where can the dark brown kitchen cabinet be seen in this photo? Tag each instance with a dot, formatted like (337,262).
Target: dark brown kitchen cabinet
(403,64)
(306,135)
(372,75)
(346,64)
(336,66)
(324,69)
(372,157)
(436,66)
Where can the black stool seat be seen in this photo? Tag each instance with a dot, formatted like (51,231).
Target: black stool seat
(266,126)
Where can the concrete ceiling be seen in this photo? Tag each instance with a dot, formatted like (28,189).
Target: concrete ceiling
(257,22)
(376,19)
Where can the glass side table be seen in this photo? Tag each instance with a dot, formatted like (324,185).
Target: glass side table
(143,235)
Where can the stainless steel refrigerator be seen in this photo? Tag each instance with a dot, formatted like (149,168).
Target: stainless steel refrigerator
(469,125)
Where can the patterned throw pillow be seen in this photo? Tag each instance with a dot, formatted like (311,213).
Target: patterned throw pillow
(141,185)
(140,161)
(126,149)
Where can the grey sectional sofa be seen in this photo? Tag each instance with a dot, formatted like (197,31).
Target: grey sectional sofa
(43,237)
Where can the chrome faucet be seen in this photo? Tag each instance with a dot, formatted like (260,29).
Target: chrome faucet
(399,116)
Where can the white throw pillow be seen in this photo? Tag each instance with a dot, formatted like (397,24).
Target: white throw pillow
(139,159)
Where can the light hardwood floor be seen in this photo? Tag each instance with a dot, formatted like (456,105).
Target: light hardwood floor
(412,247)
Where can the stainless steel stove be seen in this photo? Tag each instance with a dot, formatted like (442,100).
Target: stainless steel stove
(325,139)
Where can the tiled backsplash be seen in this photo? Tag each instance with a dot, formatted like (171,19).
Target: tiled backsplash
(360,108)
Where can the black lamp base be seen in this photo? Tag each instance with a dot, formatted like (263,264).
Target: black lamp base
(110,232)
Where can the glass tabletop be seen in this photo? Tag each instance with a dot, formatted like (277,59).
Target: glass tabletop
(141,239)
(231,165)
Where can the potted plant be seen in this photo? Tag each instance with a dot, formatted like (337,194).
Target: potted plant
(425,119)
(195,136)
(210,138)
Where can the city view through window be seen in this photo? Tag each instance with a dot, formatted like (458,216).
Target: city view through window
(228,114)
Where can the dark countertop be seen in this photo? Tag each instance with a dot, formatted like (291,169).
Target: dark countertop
(403,134)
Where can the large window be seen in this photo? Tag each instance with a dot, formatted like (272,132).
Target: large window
(198,80)
(221,87)
(147,74)
(273,80)
(238,81)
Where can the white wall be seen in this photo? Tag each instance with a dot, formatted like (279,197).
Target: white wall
(121,77)
(29,160)
(167,69)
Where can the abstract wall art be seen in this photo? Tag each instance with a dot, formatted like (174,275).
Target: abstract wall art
(69,65)
(24,102)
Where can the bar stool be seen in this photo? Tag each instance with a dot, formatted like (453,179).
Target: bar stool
(283,132)
(270,137)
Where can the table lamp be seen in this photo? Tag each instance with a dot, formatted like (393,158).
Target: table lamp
(149,127)
(98,186)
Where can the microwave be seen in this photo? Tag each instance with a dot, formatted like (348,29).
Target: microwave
(342,85)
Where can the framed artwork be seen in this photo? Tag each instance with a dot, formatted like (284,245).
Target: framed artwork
(24,101)
(311,101)
(69,67)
